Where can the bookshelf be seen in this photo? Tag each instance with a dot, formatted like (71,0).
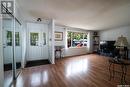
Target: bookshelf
(95,42)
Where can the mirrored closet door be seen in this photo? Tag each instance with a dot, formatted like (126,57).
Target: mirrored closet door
(12,48)
(18,47)
(7,25)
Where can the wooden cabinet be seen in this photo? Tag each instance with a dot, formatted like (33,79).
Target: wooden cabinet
(95,42)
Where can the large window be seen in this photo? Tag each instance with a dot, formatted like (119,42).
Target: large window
(76,39)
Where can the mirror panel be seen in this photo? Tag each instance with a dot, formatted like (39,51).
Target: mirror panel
(12,63)
(7,29)
(18,47)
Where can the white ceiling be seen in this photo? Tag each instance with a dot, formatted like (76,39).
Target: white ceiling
(86,14)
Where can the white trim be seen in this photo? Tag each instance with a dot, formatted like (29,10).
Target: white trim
(66,34)
(27,41)
(77,47)
(53,41)
(1,56)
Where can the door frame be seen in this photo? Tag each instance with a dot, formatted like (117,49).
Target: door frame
(1,55)
(51,41)
(28,39)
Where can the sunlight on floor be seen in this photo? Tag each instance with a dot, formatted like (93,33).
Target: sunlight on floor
(77,67)
(38,78)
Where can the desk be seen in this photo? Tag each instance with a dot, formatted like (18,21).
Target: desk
(123,63)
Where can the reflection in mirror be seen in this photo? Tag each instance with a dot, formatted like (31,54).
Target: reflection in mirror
(12,63)
(17,39)
(7,26)
(9,38)
(18,47)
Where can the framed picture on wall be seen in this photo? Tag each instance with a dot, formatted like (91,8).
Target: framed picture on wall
(58,36)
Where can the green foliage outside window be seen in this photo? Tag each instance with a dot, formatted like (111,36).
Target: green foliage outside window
(17,39)
(77,39)
(34,39)
(10,37)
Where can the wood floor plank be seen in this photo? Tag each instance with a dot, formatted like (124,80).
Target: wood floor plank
(80,71)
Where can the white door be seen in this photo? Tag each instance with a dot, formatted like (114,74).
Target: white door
(7,42)
(7,46)
(38,44)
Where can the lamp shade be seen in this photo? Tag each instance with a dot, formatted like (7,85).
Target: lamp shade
(121,42)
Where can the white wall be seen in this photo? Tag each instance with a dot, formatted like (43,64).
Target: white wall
(60,29)
(113,34)
(72,51)
(75,51)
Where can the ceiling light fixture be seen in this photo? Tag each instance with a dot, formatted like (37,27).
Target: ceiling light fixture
(39,19)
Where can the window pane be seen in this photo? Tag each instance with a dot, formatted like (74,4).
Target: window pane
(9,38)
(76,39)
(34,39)
(69,39)
(44,38)
(17,39)
(85,39)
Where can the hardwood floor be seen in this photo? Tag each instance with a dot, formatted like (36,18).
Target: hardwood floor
(81,71)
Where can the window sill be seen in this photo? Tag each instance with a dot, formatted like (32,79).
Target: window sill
(77,47)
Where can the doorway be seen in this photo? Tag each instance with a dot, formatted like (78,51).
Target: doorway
(37,40)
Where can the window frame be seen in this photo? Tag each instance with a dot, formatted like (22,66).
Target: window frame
(84,33)
(11,38)
(34,38)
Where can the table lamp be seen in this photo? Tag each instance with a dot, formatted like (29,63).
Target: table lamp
(121,43)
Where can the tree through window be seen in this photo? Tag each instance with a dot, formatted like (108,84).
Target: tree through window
(76,39)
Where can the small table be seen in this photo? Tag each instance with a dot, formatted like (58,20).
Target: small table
(123,63)
(58,49)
